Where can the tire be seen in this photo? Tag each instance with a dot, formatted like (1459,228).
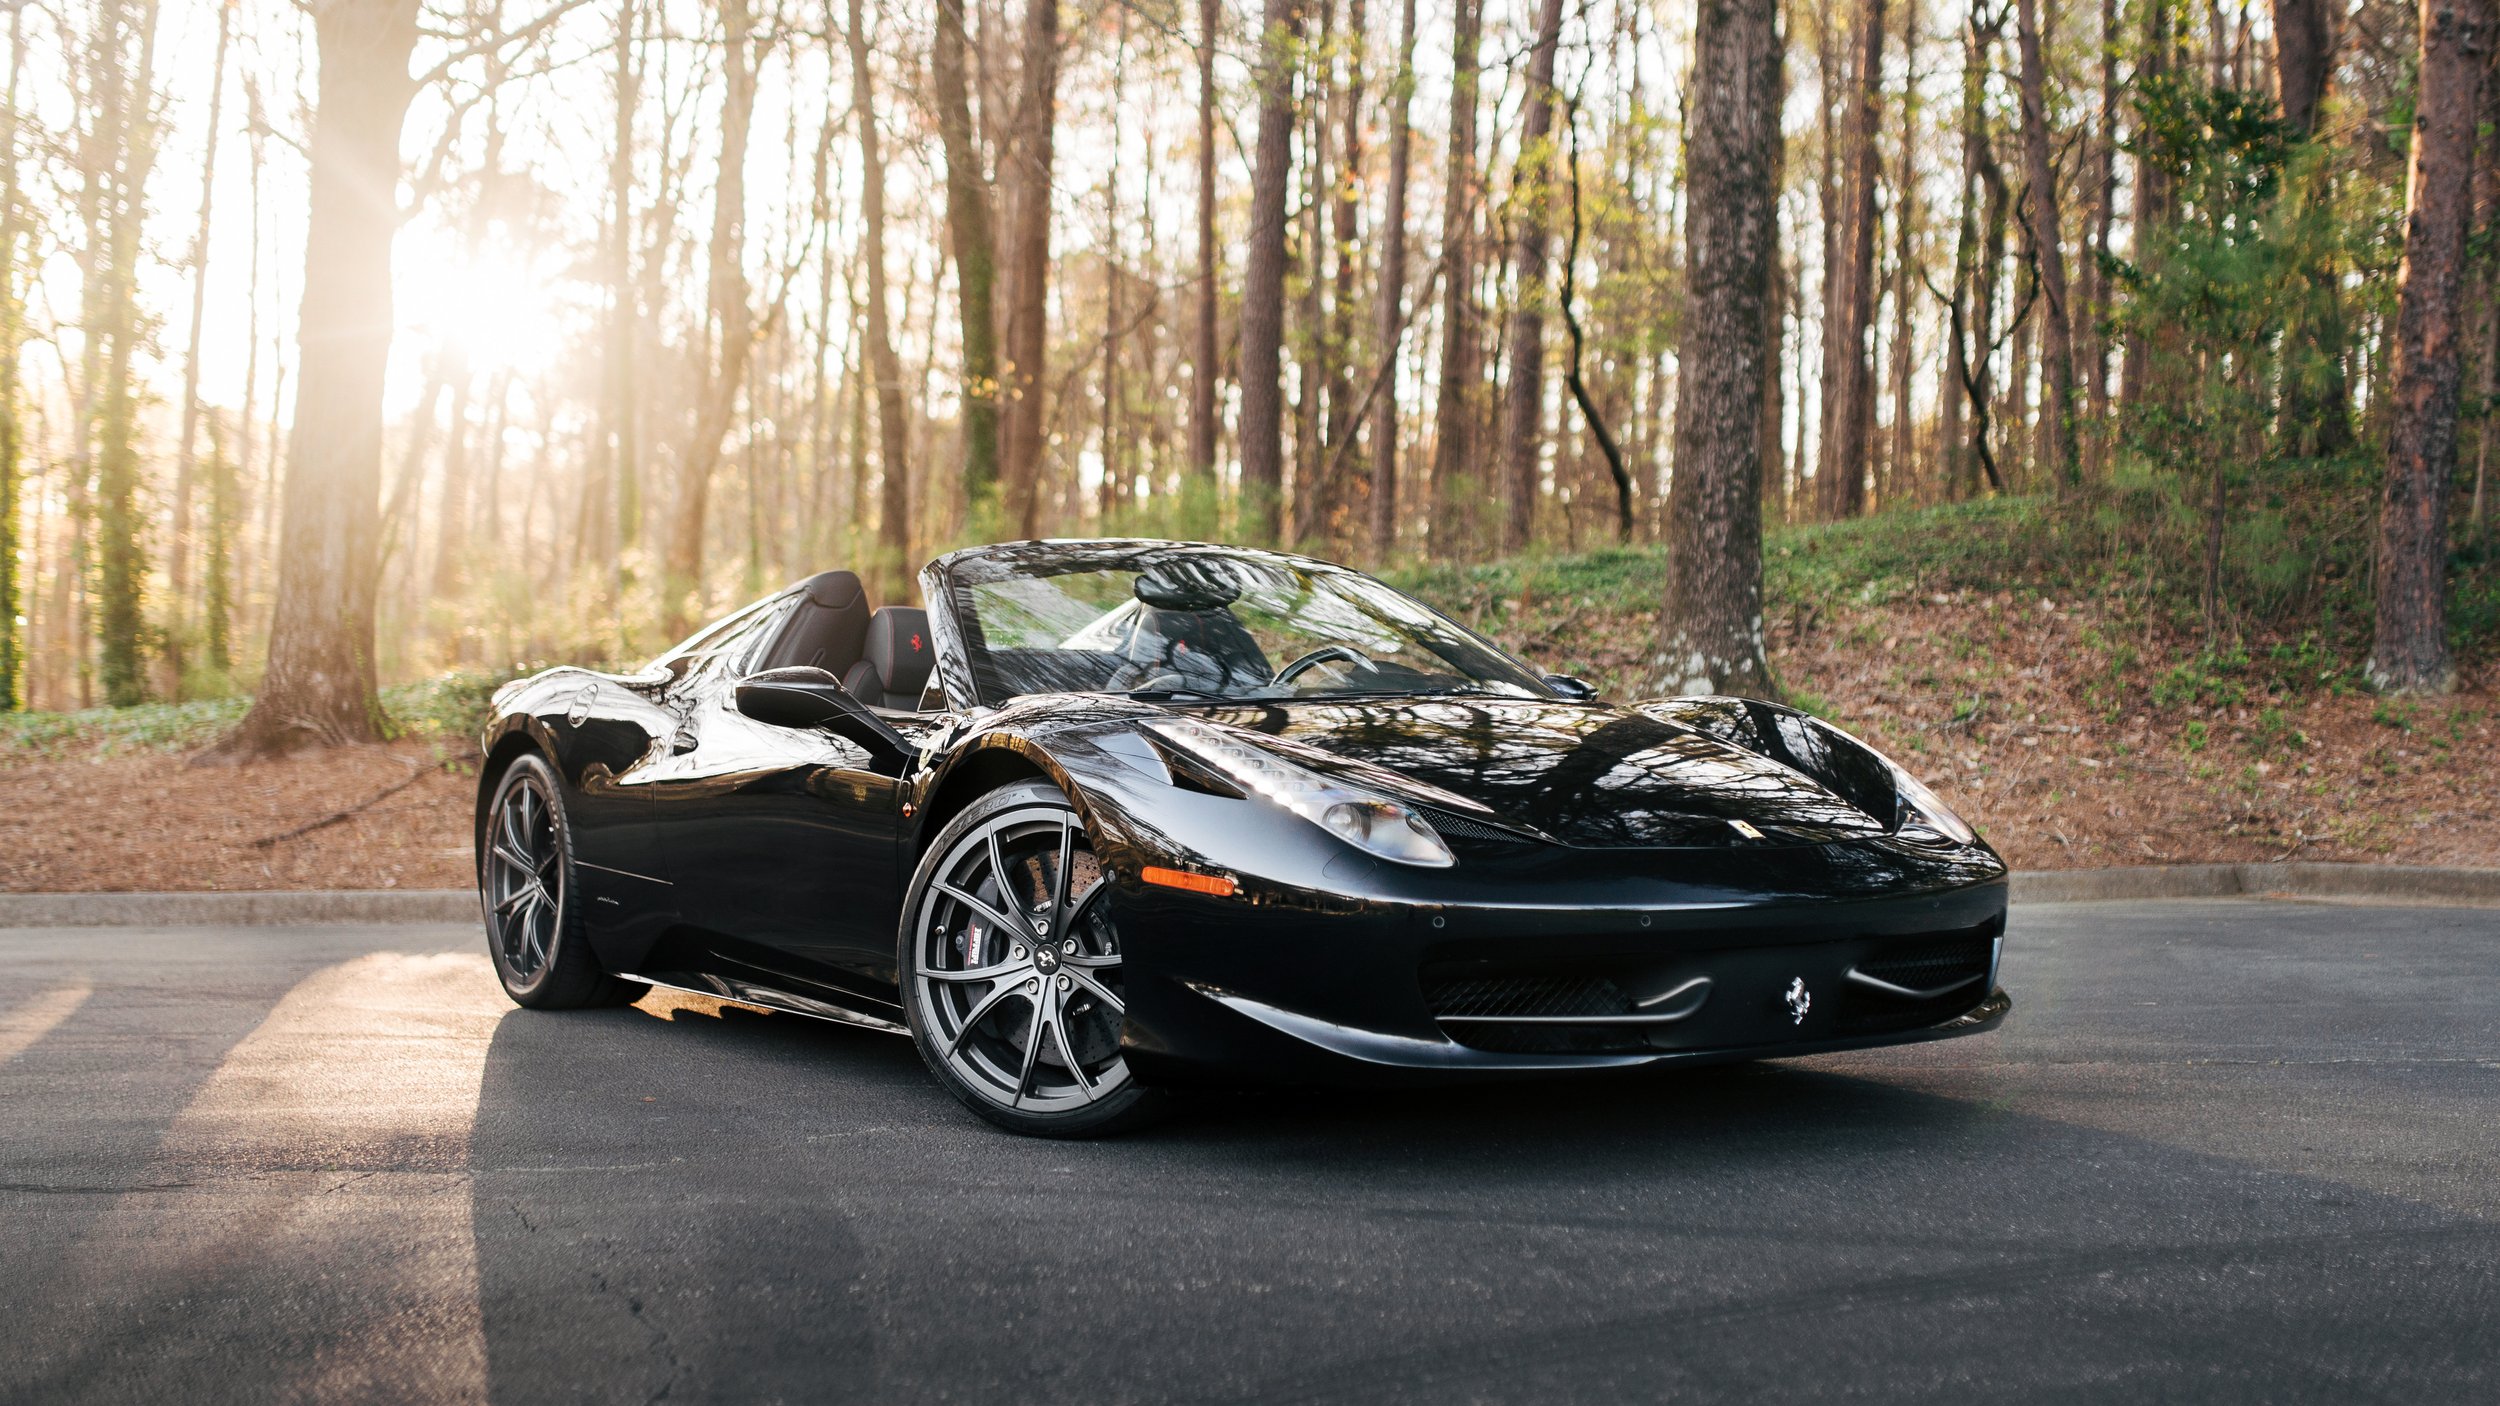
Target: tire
(526,889)
(1015,1006)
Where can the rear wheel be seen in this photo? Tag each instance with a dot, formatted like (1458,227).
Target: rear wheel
(1011,970)
(525,881)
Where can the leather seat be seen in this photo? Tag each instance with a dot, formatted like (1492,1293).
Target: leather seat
(827,629)
(894,667)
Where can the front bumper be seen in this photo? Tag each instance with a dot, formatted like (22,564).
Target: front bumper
(1228,991)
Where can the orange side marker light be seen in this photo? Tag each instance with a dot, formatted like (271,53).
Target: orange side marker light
(1220,885)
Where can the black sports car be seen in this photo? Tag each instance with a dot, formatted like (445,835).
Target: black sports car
(1111,817)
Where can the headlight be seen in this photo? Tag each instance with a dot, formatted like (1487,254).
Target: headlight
(1926,810)
(1368,821)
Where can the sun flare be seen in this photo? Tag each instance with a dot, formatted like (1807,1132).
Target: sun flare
(498,307)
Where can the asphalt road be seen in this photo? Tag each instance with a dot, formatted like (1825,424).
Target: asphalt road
(2224,1151)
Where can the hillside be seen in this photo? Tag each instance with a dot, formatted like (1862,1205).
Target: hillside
(2073,714)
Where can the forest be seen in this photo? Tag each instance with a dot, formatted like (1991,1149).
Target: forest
(348,342)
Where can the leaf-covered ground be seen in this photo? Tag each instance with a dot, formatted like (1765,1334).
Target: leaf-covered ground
(2078,718)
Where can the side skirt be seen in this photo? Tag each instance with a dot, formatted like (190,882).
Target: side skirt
(749,993)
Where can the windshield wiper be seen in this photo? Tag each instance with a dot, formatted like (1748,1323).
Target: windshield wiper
(1459,691)
(1176,695)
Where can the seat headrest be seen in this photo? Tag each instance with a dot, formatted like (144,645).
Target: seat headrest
(825,627)
(835,590)
(900,652)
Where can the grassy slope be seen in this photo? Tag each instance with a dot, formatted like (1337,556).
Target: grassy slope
(2050,681)
(2054,685)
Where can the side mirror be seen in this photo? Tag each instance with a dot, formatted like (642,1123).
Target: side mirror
(1577,690)
(804,696)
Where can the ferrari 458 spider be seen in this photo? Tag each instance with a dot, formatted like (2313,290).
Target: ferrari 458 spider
(1108,818)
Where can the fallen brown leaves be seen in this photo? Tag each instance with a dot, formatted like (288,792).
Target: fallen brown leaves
(2032,720)
(148,822)
(2020,714)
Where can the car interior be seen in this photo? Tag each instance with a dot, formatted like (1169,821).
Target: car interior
(882,656)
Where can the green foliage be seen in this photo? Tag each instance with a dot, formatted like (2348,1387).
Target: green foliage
(451,708)
(148,727)
(2216,286)
(2233,293)
(2111,690)
(2208,680)
(454,705)
(2275,735)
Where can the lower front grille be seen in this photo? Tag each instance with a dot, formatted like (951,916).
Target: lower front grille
(1547,1012)
(1516,996)
(1642,998)
(1904,985)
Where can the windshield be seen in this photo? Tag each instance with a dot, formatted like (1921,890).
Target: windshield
(1184,625)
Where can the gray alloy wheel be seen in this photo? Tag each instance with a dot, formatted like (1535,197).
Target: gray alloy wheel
(525,883)
(1011,970)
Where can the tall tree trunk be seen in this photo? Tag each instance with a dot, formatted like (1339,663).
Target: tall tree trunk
(1263,279)
(2151,203)
(1392,328)
(729,323)
(1524,411)
(2410,652)
(178,537)
(856,382)
(12,314)
(1023,447)
(319,686)
(1849,376)
(2097,302)
(1710,631)
(1775,320)
(1309,339)
(617,440)
(1345,230)
(1114,486)
(1988,301)
(970,226)
(1203,368)
(2487,391)
(894,563)
(129,130)
(252,484)
(1899,467)
(1454,484)
(1953,454)
(217,554)
(2014,400)
(2048,250)
(822,412)
(2317,408)
(2304,53)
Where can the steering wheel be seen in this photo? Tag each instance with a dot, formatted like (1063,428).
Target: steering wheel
(1321,655)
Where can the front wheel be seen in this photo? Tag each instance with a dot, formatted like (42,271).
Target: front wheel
(1011,970)
(525,880)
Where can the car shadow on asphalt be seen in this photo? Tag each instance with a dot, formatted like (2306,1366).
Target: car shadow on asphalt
(743,1206)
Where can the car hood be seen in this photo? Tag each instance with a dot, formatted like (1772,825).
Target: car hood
(1583,774)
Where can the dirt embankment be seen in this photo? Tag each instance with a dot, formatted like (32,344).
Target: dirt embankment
(82,821)
(2072,740)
